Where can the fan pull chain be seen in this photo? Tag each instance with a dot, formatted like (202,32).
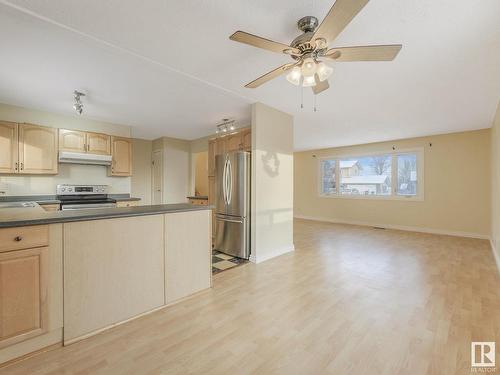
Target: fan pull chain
(314,102)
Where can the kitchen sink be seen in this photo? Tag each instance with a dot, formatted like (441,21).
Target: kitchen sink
(18,204)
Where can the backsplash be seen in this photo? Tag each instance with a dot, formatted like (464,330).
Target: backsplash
(68,174)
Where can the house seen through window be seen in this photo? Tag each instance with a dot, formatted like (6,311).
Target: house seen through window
(370,175)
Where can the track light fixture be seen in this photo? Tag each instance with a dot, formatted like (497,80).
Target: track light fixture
(226,126)
(78,106)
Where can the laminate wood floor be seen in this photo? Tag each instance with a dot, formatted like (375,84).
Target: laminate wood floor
(349,300)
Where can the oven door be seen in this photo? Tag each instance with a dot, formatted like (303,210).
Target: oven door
(86,206)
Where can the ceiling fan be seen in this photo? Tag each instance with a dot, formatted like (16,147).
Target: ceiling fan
(309,48)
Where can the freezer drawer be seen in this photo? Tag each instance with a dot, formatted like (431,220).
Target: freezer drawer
(232,236)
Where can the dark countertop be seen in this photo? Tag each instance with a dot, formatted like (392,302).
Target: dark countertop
(205,197)
(26,216)
(40,199)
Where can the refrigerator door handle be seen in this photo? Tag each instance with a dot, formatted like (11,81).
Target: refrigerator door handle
(229,220)
(224,181)
(229,182)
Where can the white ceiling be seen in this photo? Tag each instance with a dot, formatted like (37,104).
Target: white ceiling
(168,67)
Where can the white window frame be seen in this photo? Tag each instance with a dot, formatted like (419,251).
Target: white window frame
(419,151)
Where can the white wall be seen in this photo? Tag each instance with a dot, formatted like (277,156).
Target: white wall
(495,186)
(272,183)
(68,173)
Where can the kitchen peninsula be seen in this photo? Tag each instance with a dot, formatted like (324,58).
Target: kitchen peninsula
(117,264)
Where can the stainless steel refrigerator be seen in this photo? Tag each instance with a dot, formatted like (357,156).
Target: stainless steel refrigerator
(232,198)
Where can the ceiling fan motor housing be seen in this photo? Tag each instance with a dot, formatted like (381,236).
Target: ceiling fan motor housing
(303,42)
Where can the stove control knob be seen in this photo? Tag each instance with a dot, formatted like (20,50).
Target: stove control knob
(70,189)
(63,189)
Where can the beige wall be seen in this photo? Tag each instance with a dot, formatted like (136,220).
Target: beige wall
(457,187)
(68,173)
(201,172)
(141,168)
(176,168)
(495,185)
(272,183)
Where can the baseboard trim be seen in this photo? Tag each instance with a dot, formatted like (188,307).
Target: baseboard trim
(396,227)
(259,259)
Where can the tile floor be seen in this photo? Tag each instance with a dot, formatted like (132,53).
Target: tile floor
(222,262)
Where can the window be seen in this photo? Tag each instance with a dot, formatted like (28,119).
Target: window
(407,174)
(368,175)
(396,175)
(328,185)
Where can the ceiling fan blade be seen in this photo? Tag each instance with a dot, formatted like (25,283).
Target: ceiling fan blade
(339,16)
(257,41)
(365,53)
(269,76)
(320,85)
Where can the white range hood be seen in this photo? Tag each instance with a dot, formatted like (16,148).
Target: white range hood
(83,158)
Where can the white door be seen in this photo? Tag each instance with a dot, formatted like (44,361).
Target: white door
(157,177)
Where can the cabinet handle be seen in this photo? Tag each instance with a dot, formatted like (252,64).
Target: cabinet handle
(18,238)
(22,166)
(16,167)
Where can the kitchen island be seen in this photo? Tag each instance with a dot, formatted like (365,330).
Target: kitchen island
(65,276)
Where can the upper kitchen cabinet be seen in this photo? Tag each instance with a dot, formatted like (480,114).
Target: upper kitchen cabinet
(234,142)
(37,149)
(121,149)
(246,139)
(8,147)
(98,144)
(211,157)
(84,142)
(72,140)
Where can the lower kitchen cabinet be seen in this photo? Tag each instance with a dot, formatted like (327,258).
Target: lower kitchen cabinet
(188,266)
(31,313)
(112,275)
(23,291)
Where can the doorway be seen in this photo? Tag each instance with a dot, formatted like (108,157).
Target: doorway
(157,177)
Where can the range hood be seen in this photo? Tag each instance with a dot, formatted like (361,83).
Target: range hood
(83,158)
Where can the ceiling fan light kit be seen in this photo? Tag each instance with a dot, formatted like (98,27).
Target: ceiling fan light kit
(309,48)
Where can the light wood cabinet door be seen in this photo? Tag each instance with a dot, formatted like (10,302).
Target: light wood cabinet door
(220,146)
(98,144)
(234,142)
(211,158)
(187,254)
(37,149)
(23,294)
(122,157)
(8,147)
(246,139)
(72,140)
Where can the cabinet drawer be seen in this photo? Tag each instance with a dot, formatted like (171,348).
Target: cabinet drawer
(23,237)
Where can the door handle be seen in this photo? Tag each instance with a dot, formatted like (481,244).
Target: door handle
(224,180)
(229,220)
(230,181)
